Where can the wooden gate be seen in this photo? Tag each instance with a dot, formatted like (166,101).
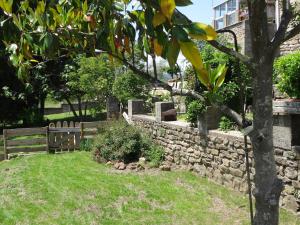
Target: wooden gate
(64,136)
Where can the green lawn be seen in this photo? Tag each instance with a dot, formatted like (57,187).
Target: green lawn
(68,116)
(72,189)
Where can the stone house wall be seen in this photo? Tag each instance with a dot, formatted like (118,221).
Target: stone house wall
(290,46)
(220,156)
(242,31)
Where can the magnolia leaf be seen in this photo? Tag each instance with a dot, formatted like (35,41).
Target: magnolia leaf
(148,20)
(158,19)
(183,2)
(201,31)
(158,49)
(203,77)
(180,34)
(221,79)
(173,52)
(192,54)
(167,7)
(6,6)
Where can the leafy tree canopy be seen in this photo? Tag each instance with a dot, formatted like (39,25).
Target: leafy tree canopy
(43,30)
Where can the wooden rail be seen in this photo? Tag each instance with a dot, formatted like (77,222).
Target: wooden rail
(56,137)
(14,141)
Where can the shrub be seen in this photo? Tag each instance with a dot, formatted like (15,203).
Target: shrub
(86,145)
(286,74)
(152,152)
(226,124)
(122,142)
(195,108)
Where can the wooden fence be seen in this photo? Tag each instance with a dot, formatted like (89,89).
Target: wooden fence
(56,137)
(14,142)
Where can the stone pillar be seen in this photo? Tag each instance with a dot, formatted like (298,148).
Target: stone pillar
(286,123)
(165,111)
(112,108)
(135,107)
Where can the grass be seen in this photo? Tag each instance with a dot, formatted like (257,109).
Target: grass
(68,116)
(73,189)
(182,117)
(51,103)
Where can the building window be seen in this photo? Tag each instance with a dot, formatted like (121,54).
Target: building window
(228,10)
(231,6)
(219,24)
(220,10)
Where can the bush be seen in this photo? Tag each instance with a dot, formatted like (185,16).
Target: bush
(195,108)
(86,145)
(226,124)
(152,152)
(122,142)
(286,73)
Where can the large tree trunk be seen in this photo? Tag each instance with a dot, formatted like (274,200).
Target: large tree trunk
(267,185)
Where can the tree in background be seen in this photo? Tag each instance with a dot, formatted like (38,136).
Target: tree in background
(87,81)
(130,86)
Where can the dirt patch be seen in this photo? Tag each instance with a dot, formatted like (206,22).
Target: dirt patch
(179,182)
(228,214)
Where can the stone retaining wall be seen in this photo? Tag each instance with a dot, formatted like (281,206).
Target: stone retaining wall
(219,156)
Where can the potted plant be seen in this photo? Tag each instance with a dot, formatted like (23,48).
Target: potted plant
(202,113)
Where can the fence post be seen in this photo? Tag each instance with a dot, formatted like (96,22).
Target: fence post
(81,131)
(4,142)
(47,139)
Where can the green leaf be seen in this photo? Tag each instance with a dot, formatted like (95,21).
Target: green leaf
(40,9)
(221,79)
(173,52)
(201,31)
(158,19)
(192,54)
(6,5)
(167,8)
(183,2)
(180,34)
(203,77)
(84,7)
(148,20)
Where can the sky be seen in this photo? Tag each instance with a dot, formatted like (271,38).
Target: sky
(200,11)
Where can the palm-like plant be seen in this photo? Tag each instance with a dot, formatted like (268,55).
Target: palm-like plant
(212,78)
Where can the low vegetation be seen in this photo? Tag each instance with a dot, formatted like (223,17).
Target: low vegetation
(226,124)
(122,142)
(73,189)
(286,72)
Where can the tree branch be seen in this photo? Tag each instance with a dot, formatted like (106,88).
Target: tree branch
(292,33)
(182,92)
(245,59)
(281,32)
